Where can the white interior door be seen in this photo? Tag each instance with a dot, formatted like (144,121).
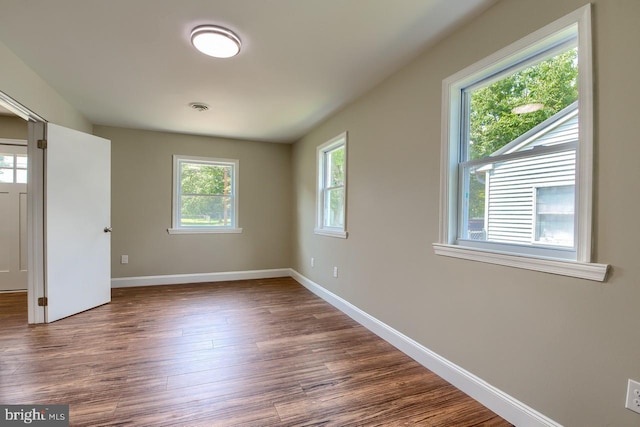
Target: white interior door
(77,213)
(13,217)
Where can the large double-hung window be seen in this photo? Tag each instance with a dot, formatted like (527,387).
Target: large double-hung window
(517,154)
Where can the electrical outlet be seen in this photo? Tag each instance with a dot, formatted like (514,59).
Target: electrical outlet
(335,271)
(313,262)
(124,259)
(633,396)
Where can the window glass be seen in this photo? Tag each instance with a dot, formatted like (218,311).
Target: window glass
(21,176)
(334,193)
(335,167)
(554,215)
(21,161)
(501,111)
(6,160)
(334,203)
(6,176)
(13,168)
(21,169)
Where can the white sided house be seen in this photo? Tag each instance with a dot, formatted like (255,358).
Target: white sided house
(531,199)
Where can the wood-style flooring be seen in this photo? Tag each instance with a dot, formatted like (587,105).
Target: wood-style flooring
(242,353)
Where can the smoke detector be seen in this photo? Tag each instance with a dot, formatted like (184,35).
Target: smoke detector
(199,106)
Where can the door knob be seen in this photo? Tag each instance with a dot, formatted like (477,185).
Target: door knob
(108,229)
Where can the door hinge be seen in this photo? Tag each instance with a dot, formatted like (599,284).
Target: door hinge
(43,302)
(42,144)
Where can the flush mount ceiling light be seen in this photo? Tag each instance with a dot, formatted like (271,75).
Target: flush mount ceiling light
(215,41)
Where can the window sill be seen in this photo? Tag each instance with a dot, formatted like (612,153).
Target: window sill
(203,230)
(583,270)
(331,233)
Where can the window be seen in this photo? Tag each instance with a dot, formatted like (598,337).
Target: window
(517,154)
(332,187)
(205,195)
(13,168)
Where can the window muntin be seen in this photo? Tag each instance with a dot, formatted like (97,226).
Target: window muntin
(205,194)
(332,181)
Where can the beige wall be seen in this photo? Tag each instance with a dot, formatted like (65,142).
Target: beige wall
(23,85)
(13,127)
(563,346)
(141,182)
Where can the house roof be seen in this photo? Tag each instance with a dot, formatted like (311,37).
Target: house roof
(536,133)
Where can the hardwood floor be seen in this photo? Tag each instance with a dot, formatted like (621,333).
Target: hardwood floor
(246,353)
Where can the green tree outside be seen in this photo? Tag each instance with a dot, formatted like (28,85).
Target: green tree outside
(335,217)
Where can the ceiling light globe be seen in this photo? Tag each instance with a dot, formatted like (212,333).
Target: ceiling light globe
(215,41)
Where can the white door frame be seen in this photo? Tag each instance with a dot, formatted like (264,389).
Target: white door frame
(35,221)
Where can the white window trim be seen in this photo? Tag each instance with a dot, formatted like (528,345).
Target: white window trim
(451,108)
(339,232)
(7,141)
(175,229)
(331,233)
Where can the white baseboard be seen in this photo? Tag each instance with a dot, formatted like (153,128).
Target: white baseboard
(499,402)
(176,279)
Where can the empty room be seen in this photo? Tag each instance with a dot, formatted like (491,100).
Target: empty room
(319,212)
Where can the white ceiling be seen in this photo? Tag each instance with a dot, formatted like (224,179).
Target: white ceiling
(129,63)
